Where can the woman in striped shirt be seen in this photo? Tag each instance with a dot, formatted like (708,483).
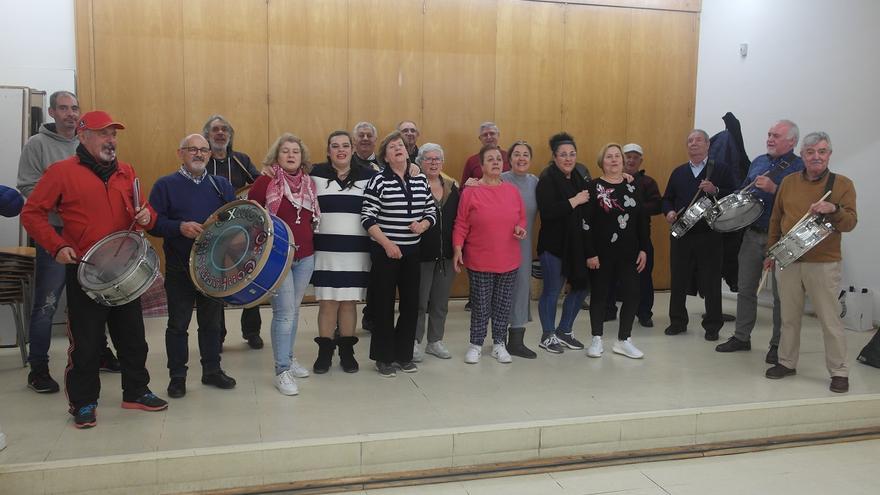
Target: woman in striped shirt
(397,209)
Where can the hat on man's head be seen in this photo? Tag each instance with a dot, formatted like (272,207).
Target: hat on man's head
(632,147)
(11,201)
(97,120)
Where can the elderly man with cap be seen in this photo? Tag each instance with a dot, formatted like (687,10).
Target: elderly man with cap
(183,201)
(237,168)
(93,193)
(651,201)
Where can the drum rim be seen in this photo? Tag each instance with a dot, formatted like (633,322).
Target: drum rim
(80,271)
(286,273)
(260,264)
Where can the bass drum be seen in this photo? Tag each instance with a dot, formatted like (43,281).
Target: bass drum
(734,212)
(242,255)
(118,268)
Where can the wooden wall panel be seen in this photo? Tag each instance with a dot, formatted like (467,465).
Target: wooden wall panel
(660,109)
(595,66)
(85,83)
(529,74)
(225,69)
(385,63)
(308,70)
(138,74)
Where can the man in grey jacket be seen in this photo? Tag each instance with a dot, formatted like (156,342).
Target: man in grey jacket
(54,142)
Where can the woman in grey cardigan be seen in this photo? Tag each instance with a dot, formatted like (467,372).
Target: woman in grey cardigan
(520,155)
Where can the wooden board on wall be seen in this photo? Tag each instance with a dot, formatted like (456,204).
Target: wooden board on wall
(660,109)
(225,69)
(385,63)
(308,70)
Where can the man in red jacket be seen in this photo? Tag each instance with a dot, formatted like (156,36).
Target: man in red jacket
(92,192)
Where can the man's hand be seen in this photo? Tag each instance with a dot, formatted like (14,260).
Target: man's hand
(671,217)
(66,256)
(765,184)
(191,230)
(707,187)
(769,264)
(823,208)
(142,217)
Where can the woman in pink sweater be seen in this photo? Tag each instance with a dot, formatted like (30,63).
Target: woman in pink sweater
(490,223)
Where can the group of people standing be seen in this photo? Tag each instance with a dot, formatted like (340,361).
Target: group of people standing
(385,224)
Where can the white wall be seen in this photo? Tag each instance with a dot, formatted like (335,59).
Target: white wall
(815,62)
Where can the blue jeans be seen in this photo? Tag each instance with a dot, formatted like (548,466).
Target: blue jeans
(48,284)
(285,311)
(551,269)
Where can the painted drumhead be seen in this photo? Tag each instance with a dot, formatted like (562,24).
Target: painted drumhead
(231,248)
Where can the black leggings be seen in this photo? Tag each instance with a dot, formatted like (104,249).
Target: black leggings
(620,270)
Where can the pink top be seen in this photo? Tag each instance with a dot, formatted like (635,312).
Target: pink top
(484,227)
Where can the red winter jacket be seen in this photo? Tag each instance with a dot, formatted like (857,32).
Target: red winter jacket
(90,209)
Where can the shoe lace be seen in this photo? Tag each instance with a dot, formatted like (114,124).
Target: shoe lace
(553,340)
(87,409)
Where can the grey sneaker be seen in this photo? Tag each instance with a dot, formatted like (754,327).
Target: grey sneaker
(437,349)
(386,370)
(551,344)
(568,340)
(418,354)
(409,367)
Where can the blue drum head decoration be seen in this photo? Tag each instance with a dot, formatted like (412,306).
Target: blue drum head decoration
(242,255)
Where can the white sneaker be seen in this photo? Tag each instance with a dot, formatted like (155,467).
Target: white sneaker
(499,352)
(596,349)
(472,356)
(298,370)
(285,383)
(418,355)
(627,348)
(438,349)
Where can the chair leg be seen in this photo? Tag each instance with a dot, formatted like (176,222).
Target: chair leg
(21,332)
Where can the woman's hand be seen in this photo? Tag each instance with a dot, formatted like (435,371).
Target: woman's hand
(472,181)
(267,171)
(628,178)
(519,232)
(579,198)
(392,250)
(641,261)
(593,263)
(457,259)
(419,227)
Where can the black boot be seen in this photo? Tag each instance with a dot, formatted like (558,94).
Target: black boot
(515,344)
(325,355)
(346,354)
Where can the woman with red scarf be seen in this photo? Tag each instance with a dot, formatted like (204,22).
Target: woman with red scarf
(290,195)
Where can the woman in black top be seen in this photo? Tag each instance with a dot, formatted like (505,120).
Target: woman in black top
(615,243)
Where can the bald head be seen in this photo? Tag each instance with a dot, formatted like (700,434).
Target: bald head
(194,152)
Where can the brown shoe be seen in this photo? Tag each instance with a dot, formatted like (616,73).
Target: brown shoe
(839,384)
(779,371)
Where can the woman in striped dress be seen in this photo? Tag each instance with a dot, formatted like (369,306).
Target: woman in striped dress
(342,251)
(397,209)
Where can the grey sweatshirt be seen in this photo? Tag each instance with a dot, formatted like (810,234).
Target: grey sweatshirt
(42,150)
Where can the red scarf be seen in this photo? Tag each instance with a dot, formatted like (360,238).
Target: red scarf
(297,187)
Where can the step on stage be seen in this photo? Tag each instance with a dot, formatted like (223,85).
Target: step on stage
(448,420)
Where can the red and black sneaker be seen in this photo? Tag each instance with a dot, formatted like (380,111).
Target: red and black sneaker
(85,416)
(147,402)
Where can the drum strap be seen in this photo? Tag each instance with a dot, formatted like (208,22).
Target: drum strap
(219,194)
(829,184)
(241,165)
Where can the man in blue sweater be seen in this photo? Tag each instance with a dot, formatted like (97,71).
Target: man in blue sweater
(183,202)
(701,247)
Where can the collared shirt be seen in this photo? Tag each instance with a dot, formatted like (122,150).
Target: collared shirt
(198,180)
(764,164)
(696,168)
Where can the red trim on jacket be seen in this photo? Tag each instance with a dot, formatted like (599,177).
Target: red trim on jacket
(90,209)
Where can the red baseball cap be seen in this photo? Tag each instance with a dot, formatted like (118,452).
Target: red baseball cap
(97,120)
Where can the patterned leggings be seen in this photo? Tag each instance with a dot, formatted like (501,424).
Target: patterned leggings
(490,298)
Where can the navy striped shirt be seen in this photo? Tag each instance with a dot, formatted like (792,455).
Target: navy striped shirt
(393,204)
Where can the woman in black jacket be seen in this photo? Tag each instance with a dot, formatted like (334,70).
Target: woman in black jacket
(436,255)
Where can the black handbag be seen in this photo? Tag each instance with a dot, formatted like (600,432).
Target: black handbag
(870,354)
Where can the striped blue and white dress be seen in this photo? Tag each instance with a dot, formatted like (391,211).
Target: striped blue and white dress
(342,246)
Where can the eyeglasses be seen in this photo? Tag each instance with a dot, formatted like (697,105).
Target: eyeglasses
(432,159)
(192,150)
(409,130)
(567,155)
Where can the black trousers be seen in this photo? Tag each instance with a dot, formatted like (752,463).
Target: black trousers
(87,320)
(646,289)
(614,270)
(182,294)
(250,323)
(699,250)
(390,342)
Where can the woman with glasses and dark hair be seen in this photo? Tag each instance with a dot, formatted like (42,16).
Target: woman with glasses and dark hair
(520,156)
(342,252)
(490,224)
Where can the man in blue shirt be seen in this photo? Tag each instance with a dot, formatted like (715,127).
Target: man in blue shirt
(767,171)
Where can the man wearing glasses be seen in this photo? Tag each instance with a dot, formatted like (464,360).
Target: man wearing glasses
(183,202)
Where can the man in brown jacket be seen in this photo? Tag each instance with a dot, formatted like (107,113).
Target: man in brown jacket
(817,272)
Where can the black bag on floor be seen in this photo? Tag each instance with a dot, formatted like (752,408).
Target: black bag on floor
(870,354)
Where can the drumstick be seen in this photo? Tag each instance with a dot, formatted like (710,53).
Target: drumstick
(80,260)
(807,214)
(763,279)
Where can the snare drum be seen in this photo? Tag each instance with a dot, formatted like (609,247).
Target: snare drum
(691,216)
(242,255)
(800,239)
(118,268)
(735,211)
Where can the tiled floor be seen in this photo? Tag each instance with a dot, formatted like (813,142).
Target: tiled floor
(848,468)
(678,372)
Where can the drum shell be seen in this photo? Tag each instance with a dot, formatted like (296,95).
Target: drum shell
(693,214)
(131,284)
(728,215)
(799,240)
